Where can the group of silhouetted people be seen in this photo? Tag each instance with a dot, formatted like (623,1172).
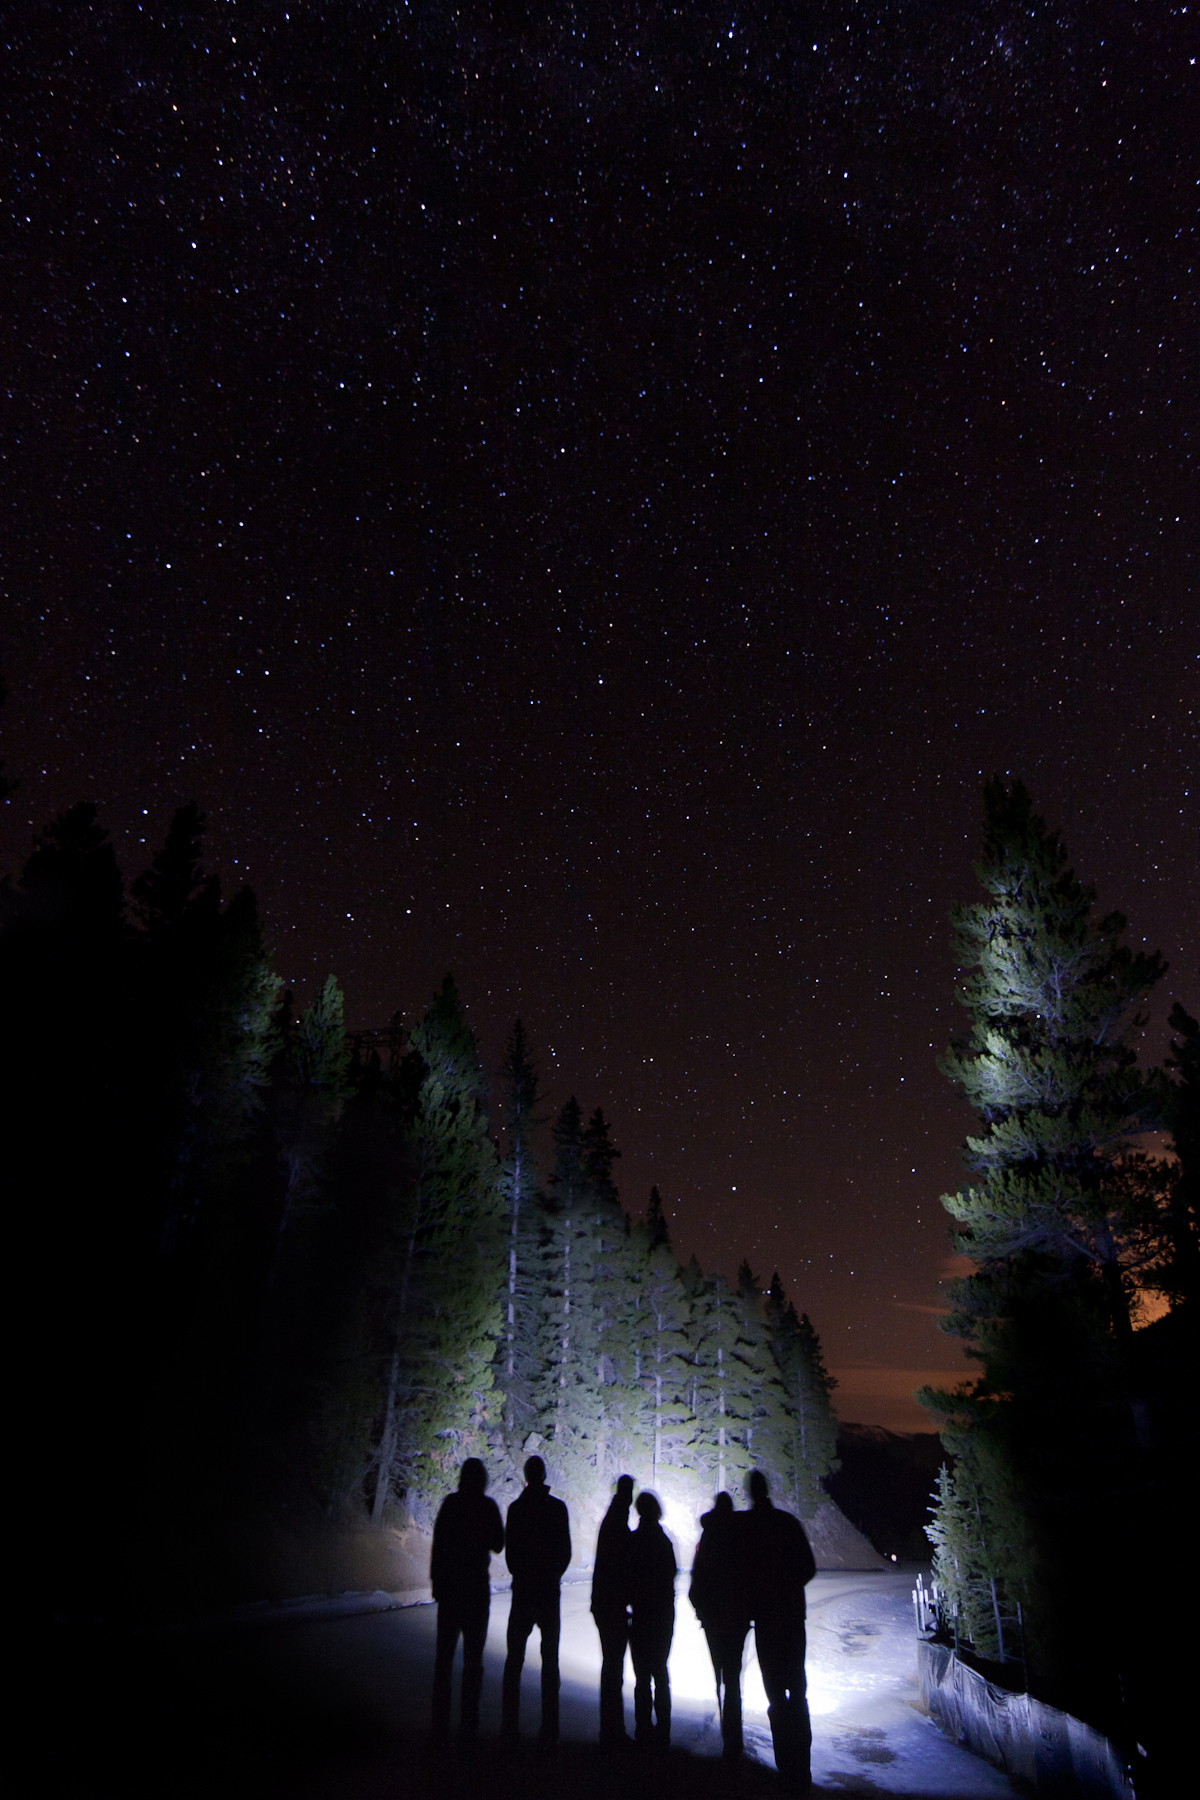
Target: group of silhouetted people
(749,1568)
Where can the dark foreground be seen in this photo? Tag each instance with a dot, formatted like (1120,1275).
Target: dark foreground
(338,1710)
(230,1718)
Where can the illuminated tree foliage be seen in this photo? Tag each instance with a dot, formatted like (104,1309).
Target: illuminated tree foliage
(309,1092)
(1060,1227)
(519,1349)
(666,1427)
(806,1438)
(438,1307)
(346,1285)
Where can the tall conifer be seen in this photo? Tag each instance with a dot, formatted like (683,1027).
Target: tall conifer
(1049,1220)
(807,1438)
(520,1346)
(440,1311)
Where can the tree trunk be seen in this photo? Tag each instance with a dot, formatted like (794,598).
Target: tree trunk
(387,1442)
(560,1409)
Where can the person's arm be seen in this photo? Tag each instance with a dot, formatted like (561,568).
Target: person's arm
(437,1555)
(806,1561)
(513,1539)
(496,1540)
(699,1585)
(564,1542)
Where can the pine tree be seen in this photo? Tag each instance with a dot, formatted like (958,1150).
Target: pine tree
(766,1429)
(966,1567)
(1174,1250)
(440,1311)
(808,1438)
(209,996)
(309,1093)
(610,1298)
(1048,1066)
(571,1397)
(520,1345)
(717,1394)
(667,1425)
(1050,1222)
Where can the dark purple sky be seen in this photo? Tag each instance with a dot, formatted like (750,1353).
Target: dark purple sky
(587,504)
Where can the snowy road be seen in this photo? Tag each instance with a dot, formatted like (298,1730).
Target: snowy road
(870,1735)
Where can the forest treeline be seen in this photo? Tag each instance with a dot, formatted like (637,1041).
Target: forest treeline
(283,1271)
(1072,1449)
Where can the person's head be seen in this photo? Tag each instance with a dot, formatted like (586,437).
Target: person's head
(648,1509)
(625,1489)
(723,1505)
(756,1486)
(535,1472)
(472,1477)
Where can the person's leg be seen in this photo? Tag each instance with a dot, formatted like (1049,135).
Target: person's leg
(643,1703)
(781,1662)
(728,1649)
(520,1624)
(614,1637)
(550,1625)
(474,1636)
(662,1695)
(448,1627)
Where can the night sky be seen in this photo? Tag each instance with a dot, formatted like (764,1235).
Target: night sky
(587,503)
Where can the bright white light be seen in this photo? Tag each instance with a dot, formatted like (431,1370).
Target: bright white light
(690,1664)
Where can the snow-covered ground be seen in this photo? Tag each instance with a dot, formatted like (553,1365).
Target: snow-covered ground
(870,1734)
(869,1731)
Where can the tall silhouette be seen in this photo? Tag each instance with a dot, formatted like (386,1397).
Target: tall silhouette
(718,1594)
(652,1623)
(467,1529)
(610,1609)
(538,1547)
(779,1563)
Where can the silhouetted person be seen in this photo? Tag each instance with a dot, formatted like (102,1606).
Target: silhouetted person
(718,1593)
(779,1563)
(468,1528)
(651,1623)
(610,1609)
(538,1547)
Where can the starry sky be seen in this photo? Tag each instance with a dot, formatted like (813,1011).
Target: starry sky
(583,496)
